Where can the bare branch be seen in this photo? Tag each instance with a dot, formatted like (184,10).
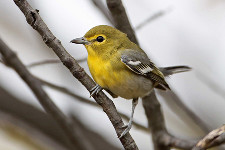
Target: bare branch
(153,17)
(13,61)
(214,138)
(50,61)
(120,18)
(84,100)
(34,19)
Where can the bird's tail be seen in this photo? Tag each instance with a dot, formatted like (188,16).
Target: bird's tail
(174,69)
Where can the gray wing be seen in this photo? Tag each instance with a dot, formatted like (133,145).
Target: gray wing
(138,62)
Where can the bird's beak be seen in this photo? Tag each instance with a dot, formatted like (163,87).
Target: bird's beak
(81,40)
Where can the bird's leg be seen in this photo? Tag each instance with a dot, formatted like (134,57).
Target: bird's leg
(129,125)
(95,90)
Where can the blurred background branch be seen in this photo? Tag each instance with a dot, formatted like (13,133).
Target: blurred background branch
(50,61)
(153,17)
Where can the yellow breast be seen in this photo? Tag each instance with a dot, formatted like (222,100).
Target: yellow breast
(102,71)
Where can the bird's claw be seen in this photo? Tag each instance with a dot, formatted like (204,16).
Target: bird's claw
(128,127)
(95,90)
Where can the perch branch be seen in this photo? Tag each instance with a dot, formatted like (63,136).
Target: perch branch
(153,17)
(34,19)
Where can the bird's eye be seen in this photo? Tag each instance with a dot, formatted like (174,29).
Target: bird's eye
(100,38)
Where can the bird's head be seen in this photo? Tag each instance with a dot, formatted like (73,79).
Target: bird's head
(102,38)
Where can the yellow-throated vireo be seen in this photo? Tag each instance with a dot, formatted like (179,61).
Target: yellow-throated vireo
(121,67)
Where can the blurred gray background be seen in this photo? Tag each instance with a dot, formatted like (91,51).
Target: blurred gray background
(190,33)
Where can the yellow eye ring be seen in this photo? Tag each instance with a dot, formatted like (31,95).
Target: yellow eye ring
(100,39)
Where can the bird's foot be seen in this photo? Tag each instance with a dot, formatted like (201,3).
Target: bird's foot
(95,90)
(127,129)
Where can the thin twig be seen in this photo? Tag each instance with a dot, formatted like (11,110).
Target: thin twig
(50,61)
(153,17)
(86,101)
(36,87)
(43,62)
(34,19)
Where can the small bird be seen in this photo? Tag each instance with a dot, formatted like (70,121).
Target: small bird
(121,67)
